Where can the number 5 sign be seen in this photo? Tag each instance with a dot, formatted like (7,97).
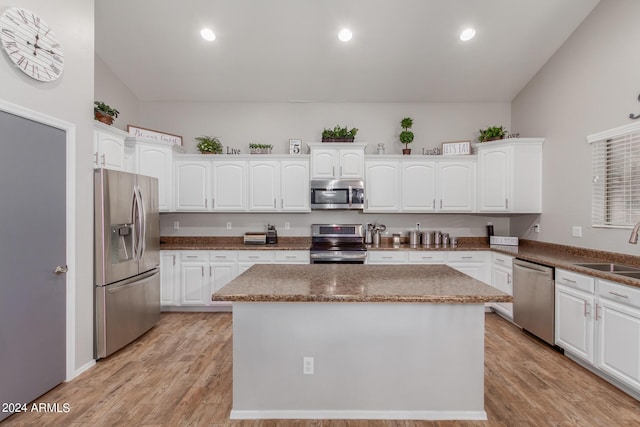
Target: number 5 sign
(295,146)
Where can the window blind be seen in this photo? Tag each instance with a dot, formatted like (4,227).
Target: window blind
(616,179)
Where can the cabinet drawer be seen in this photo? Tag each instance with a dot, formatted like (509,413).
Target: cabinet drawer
(502,260)
(256,256)
(574,280)
(467,256)
(427,257)
(223,256)
(620,293)
(194,256)
(298,257)
(386,257)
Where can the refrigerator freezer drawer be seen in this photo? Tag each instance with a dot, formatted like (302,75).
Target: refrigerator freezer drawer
(125,311)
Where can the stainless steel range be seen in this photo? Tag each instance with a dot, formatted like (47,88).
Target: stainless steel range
(337,244)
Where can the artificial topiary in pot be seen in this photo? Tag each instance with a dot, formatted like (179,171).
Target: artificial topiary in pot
(209,145)
(103,113)
(406,136)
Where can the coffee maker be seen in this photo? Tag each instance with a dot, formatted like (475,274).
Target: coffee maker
(272,235)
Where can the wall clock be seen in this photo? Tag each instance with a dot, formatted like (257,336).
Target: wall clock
(31,44)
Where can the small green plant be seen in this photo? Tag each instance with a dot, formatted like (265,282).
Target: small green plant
(261,146)
(492,133)
(406,136)
(339,134)
(209,144)
(103,113)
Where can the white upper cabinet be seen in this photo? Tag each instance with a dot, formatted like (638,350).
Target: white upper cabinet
(192,188)
(294,186)
(109,147)
(264,185)
(382,186)
(279,186)
(418,183)
(456,185)
(230,185)
(510,175)
(156,159)
(334,160)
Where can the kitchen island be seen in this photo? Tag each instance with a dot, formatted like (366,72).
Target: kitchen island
(339,341)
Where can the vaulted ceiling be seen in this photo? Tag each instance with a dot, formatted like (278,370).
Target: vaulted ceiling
(288,50)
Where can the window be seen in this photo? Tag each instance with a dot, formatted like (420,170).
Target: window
(616,177)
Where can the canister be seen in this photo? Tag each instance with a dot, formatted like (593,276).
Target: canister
(445,239)
(396,238)
(438,238)
(376,237)
(414,238)
(427,238)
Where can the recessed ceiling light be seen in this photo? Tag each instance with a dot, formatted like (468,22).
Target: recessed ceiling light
(207,34)
(345,35)
(467,34)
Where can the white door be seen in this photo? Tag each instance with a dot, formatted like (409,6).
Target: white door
(194,282)
(264,185)
(457,187)
(294,187)
(230,185)
(418,186)
(192,186)
(382,186)
(351,164)
(110,151)
(323,164)
(157,162)
(574,322)
(169,278)
(494,186)
(33,236)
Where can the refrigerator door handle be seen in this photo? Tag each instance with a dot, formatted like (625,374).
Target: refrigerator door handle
(143,223)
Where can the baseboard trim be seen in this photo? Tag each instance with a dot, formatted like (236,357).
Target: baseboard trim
(82,369)
(356,415)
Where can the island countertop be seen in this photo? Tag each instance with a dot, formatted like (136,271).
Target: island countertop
(358,283)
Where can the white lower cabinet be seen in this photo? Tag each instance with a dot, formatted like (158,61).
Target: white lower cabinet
(387,257)
(471,263)
(598,322)
(188,278)
(502,279)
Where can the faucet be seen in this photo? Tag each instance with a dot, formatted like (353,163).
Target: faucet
(634,234)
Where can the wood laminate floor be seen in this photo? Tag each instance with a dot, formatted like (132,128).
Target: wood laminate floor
(179,373)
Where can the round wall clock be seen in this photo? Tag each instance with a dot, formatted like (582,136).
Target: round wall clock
(31,44)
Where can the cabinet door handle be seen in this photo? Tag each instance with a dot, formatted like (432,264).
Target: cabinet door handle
(467,257)
(508,278)
(500,260)
(210,273)
(585,309)
(274,203)
(427,257)
(597,311)
(333,171)
(221,257)
(434,204)
(282,203)
(340,170)
(440,203)
(506,203)
(104,159)
(618,295)
(174,260)
(206,201)
(202,268)
(192,256)
(253,257)
(96,156)
(569,280)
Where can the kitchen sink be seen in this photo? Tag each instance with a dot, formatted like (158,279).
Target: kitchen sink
(632,274)
(613,268)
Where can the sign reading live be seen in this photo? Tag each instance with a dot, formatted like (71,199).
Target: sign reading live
(154,135)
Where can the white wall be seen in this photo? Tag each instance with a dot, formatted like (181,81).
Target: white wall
(238,124)
(110,90)
(591,84)
(70,98)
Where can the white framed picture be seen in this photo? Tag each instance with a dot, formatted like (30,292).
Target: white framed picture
(295,146)
(456,148)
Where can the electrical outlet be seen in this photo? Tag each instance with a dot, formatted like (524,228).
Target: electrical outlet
(229,227)
(418,226)
(287,225)
(176,225)
(307,365)
(536,228)
(576,231)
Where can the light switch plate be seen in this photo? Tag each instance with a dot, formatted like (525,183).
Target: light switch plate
(576,231)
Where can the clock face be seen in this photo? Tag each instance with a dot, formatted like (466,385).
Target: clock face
(31,44)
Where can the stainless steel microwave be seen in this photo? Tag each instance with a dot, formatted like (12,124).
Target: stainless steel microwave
(337,194)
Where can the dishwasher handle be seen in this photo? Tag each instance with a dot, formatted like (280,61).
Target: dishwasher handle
(533,267)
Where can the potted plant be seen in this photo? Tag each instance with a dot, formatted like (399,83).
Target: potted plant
(209,145)
(103,113)
(492,133)
(406,136)
(260,148)
(339,134)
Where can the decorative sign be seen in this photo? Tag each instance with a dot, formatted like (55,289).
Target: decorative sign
(154,135)
(456,147)
(295,146)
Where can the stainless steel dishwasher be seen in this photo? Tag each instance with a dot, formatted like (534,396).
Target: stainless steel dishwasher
(534,298)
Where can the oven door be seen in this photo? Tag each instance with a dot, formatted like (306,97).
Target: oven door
(338,257)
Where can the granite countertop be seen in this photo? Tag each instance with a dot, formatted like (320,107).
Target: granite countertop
(358,283)
(233,243)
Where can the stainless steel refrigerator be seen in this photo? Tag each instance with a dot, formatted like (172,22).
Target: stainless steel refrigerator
(127,258)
